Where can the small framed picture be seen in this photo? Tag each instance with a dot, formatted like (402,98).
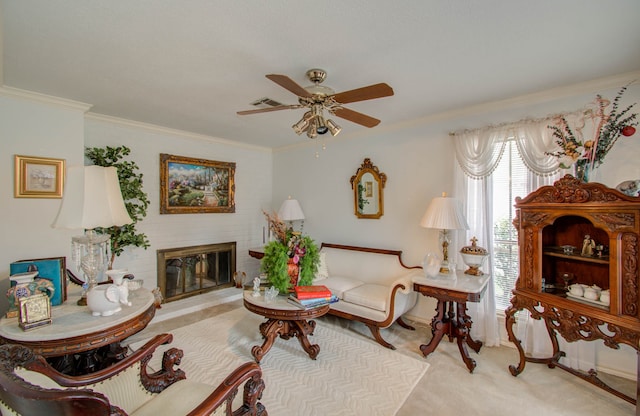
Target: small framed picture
(35,311)
(38,177)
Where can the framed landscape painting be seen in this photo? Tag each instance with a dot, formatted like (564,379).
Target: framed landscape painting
(38,177)
(190,186)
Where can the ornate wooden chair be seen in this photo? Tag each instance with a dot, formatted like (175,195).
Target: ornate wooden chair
(29,386)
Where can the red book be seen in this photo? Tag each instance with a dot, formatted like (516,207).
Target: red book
(310,292)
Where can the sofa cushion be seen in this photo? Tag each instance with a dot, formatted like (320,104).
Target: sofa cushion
(178,399)
(368,295)
(339,285)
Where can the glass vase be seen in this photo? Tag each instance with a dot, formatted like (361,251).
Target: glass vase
(582,170)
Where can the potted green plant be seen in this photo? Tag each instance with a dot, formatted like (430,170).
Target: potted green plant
(291,259)
(135,199)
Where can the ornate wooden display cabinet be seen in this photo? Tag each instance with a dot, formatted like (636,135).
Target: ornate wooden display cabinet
(563,214)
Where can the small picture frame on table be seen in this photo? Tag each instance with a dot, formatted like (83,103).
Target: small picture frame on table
(34,311)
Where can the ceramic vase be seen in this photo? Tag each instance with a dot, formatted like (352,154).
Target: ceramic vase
(292,271)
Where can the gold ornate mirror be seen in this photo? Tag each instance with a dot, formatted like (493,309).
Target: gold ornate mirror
(367,185)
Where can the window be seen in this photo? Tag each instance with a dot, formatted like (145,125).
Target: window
(511,179)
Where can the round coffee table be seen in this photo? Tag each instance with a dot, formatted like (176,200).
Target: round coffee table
(77,342)
(284,320)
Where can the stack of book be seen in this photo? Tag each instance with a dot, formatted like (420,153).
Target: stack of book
(308,297)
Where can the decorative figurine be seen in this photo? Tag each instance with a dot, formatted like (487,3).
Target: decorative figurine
(588,245)
(256,287)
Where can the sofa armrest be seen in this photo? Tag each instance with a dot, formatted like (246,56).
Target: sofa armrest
(143,355)
(223,395)
(405,282)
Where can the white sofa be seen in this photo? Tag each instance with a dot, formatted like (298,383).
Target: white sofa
(373,285)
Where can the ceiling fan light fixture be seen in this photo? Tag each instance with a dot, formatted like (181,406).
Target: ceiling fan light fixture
(303,124)
(322,127)
(311,134)
(312,131)
(334,129)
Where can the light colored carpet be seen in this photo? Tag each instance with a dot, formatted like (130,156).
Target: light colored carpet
(359,377)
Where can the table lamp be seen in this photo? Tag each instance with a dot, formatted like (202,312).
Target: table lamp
(290,210)
(444,214)
(92,198)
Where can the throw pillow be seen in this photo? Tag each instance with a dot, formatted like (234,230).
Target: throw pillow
(323,271)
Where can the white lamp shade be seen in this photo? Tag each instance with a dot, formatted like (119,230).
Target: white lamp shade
(92,198)
(290,210)
(444,213)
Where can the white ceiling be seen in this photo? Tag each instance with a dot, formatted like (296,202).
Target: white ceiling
(191,64)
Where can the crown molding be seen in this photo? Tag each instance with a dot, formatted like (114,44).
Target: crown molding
(169,131)
(588,87)
(44,99)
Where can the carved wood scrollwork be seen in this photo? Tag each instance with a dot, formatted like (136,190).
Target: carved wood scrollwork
(616,221)
(534,218)
(571,190)
(163,378)
(630,274)
(574,326)
(528,258)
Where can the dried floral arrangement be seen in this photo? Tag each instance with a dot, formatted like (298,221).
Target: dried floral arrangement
(608,127)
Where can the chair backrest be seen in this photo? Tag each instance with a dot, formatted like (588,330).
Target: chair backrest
(26,399)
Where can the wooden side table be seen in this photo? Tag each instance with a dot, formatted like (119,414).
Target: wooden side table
(284,320)
(451,312)
(77,342)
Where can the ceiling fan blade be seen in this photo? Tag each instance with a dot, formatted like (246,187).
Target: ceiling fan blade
(266,110)
(356,117)
(364,93)
(289,84)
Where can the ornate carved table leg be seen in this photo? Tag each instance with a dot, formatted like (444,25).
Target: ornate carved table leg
(269,330)
(302,329)
(462,329)
(439,326)
(509,321)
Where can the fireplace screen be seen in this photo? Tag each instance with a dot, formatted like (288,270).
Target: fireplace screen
(188,271)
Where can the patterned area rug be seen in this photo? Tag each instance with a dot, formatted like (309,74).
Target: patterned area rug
(351,375)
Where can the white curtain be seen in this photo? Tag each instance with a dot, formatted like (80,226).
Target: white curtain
(477,197)
(478,153)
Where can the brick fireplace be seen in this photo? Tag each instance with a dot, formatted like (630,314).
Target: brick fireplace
(188,271)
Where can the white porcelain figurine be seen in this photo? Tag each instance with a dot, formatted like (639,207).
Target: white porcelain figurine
(105,300)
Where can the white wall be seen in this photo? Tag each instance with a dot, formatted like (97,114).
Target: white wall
(253,193)
(33,125)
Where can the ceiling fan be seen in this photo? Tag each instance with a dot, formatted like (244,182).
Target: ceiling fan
(318,98)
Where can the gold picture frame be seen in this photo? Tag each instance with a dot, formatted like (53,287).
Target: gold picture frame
(38,177)
(194,186)
(34,311)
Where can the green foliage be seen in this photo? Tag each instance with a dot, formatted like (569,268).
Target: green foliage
(274,264)
(135,199)
(309,262)
(276,257)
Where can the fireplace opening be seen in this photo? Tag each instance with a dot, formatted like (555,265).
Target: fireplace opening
(188,271)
